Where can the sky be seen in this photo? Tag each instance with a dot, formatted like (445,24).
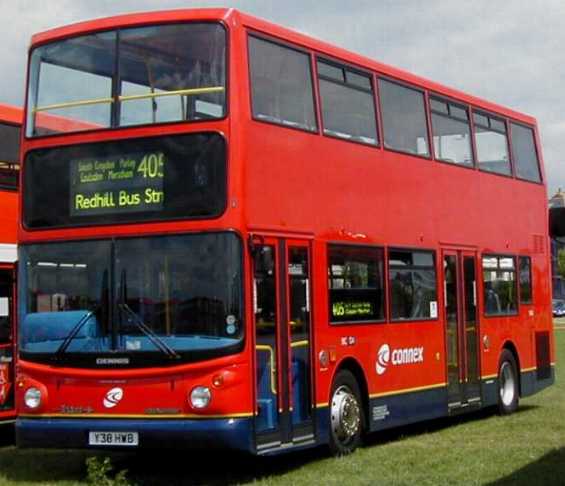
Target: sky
(510,52)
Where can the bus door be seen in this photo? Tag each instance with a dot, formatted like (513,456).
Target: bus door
(7,284)
(461,328)
(282,309)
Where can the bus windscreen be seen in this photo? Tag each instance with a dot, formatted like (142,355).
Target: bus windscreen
(126,77)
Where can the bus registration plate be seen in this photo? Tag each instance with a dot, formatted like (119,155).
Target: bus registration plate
(113,438)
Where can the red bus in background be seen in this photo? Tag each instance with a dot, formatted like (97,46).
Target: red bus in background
(10,126)
(248,238)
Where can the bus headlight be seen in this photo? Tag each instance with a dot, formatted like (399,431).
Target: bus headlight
(200,397)
(32,397)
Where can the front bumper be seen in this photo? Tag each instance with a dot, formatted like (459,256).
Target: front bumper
(225,433)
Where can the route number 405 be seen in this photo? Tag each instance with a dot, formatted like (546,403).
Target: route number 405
(151,165)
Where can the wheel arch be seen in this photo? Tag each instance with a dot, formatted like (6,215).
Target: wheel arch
(511,347)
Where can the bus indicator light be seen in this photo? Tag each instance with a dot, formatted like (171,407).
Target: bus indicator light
(333,355)
(218,380)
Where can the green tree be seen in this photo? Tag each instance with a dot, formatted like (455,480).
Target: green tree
(561,262)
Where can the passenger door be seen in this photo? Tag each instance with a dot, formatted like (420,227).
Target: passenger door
(461,328)
(282,310)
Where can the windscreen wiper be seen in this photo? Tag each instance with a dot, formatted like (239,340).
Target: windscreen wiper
(145,329)
(74,331)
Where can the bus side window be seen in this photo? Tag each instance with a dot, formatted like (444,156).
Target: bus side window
(451,132)
(348,108)
(500,287)
(281,85)
(5,317)
(356,283)
(492,144)
(412,282)
(404,119)
(525,269)
(524,153)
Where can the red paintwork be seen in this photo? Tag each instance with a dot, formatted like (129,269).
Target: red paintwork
(9,199)
(11,114)
(288,183)
(9,213)
(62,124)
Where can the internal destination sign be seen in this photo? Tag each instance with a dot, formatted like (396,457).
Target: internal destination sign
(119,184)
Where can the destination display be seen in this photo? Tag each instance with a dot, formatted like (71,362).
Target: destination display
(122,184)
(135,180)
(352,309)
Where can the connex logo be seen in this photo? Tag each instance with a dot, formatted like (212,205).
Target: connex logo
(397,357)
(383,359)
(113,397)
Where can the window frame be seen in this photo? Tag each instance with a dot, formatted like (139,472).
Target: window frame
(516,285)
(287,45)
(406,85)
(140,127)
(530,301)
(434,96)
(536,150)
(489,115)
(369,74)
(342,245)
(433,252)
(15,163)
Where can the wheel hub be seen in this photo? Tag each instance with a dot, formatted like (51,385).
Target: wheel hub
(345,414)
(507,384)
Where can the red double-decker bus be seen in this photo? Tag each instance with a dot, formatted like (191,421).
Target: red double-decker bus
(10,126)
(247,238)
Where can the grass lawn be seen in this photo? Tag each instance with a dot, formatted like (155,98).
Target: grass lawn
(527,448)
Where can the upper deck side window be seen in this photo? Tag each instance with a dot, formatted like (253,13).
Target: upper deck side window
(524,155)
(492,143)
(451,132)
(281,85)
(9,155)
(348,106)
(126,77)
(404,118)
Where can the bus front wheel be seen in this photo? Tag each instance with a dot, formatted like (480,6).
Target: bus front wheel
(346,414)
(508,394)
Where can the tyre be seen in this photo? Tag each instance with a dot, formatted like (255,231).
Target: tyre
(347,420)
(508,392)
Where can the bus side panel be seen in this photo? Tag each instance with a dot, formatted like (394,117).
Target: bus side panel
(407,408)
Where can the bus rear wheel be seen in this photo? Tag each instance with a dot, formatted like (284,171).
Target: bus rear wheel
(508,393)
(346,414)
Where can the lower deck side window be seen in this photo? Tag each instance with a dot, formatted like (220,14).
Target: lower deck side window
(525,280)
(412,282)
(356,283)
(499,285)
